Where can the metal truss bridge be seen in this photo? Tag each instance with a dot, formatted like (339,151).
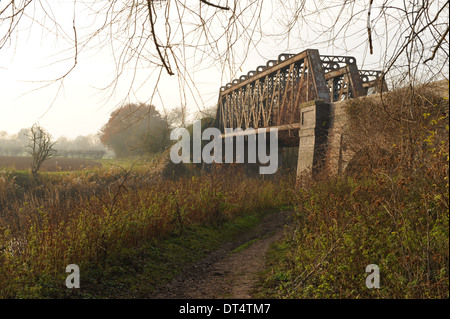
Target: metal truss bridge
(271,96)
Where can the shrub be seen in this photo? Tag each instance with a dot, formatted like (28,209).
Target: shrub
(391,209)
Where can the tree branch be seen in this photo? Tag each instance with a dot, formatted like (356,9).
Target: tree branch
(438,45)
(369,29)
(155,40)
(214,5)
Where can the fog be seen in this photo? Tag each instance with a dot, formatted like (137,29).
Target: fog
(88,146)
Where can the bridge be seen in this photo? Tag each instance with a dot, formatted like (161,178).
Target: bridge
(296,94)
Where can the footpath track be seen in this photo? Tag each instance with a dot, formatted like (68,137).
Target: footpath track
(231,271)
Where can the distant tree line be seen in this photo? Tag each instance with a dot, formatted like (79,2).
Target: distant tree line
(134,129)
(88,146)
(14,145)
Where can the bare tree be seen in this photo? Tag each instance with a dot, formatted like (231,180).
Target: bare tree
(410,37)
(206,112)
(165,37)
(177,117)
(40,147)
(179,37)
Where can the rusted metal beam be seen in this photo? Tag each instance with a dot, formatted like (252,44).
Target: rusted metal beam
(355,81)
(336,73)
(318,76)
(266,72)
(285,127)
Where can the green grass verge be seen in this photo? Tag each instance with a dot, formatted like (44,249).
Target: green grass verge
(246,245)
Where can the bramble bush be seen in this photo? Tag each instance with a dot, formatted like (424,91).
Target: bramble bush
(390,209)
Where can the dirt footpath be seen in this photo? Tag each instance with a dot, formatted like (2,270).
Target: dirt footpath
(228,274)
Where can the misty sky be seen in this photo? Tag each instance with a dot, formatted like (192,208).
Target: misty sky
(79,107)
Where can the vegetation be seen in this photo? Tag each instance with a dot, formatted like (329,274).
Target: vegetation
(92,218)
(81,147)
(54,164)
(135,129)
(40,147)
(135,224)
(391,209)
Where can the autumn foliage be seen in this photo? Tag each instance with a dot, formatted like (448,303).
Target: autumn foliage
(135,129)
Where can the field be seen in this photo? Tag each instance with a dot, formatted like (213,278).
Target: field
(91,217)
(54,164)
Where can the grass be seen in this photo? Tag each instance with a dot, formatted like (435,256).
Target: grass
(342,227)
(246,245)
(102,220)
(137,273)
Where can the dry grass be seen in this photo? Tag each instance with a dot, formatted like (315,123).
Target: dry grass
(391,209)
(85,217)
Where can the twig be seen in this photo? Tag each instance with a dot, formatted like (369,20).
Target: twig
(214,5)
(155,40)
(369,31)
(438,45)
(316,266)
